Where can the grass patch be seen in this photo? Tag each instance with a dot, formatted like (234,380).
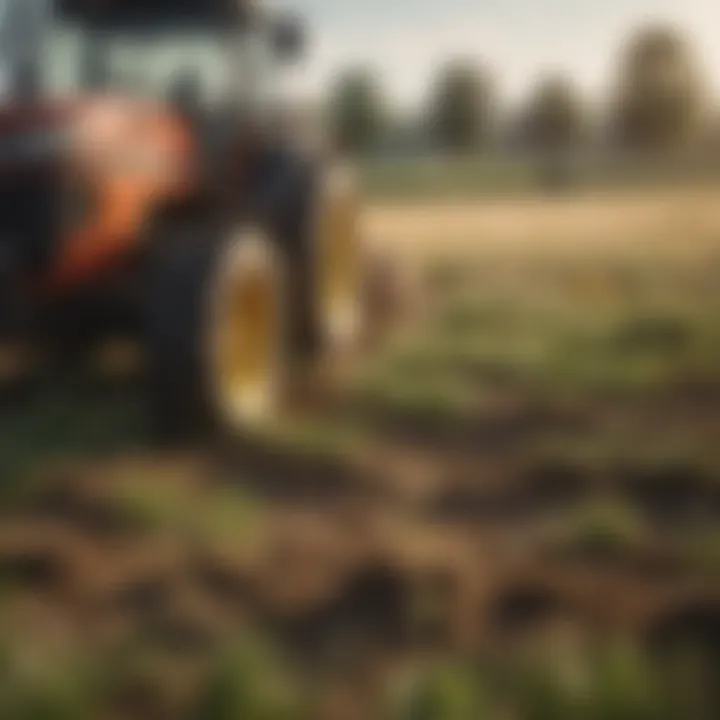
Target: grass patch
(574,331)
(444,177)
(61,423)
(603,530)
(215,518)
(445,692)
(247,680)
(308,438)
(616,681)
(393,394)
(701,552)
(33,687)
(671,451)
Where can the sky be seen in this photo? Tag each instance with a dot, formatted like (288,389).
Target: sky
(406,40)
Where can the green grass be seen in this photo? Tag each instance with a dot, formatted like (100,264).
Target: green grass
(246,681)
(444,692)
(540,331)
(609,529)
(309,438)
(217,518)
(35,688)
(613,453)
(391,394)
(483,175)
(446,177)
(615,681)
(61,424)
(700,552)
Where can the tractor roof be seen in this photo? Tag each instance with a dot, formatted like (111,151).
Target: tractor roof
(114,13)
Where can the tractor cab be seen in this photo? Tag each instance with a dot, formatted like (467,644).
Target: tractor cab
(143,191)
(73,70)
(197,52)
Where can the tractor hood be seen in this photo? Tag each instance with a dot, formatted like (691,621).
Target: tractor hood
(102,167)
(103,137)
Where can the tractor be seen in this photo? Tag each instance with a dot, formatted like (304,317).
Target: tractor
(149,188)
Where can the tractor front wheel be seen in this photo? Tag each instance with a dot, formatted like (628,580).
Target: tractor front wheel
(216,330)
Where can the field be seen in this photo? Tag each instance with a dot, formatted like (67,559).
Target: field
(503,175)
(509,511)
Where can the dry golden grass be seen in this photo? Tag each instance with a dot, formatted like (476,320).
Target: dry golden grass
(657,220)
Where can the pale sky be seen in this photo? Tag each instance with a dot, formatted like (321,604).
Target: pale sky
(407,39)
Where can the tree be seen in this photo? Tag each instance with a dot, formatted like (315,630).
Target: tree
(460,107)
(659,101)
(551,125)
(356,111)
(554,118)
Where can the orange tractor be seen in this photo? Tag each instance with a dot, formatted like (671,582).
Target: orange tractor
(147,189)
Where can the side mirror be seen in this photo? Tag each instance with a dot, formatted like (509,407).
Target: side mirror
(288,37)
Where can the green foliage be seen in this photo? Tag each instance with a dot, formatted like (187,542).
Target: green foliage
(607,529)
(613,682)
(457,176)
(437,401)
(554,117)
(660,334)
(356,112)
(246,682)
(444,693)
(61,424)
(32,688)
(460,109)
(307,438)
(701,551)
(559,334)
(223,518)
(548,692)
(659,104)
(487,175)
(624,686)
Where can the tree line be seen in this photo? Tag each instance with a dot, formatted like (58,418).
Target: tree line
(658,103)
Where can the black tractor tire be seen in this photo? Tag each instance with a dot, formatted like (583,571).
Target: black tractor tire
(280,195)
(186,270)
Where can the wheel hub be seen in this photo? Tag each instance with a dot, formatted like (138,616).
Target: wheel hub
(247,329)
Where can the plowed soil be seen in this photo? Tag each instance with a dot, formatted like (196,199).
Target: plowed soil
(530,460)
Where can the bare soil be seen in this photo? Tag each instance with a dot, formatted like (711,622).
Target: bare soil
(428,537)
